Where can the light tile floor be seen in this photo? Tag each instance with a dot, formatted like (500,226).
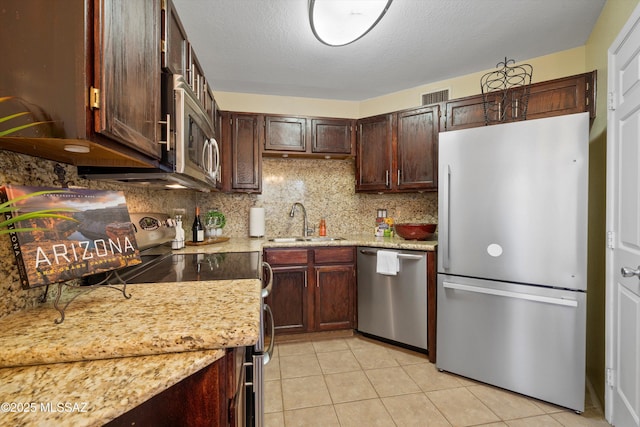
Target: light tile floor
(356,381)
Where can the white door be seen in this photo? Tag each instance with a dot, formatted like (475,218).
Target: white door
(623,225)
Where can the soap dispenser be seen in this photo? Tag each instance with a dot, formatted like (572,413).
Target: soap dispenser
(322,229)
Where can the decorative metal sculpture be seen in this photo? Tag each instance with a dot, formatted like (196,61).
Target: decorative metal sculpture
(506,89)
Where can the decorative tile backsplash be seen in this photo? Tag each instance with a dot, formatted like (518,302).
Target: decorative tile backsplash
(325,187)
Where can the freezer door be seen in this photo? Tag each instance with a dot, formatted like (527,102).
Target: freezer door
(513,201)
(527,339)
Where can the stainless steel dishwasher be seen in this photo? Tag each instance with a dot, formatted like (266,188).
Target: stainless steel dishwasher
(393,307)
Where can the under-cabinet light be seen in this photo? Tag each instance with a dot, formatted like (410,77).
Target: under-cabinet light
(77,148)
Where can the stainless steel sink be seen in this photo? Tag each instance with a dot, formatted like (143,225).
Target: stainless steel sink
(287,239)
(305,239)
(323,239)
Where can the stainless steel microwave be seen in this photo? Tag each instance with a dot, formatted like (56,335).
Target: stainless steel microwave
(192,156)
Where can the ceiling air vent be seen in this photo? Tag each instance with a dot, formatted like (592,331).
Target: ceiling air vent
(435,97)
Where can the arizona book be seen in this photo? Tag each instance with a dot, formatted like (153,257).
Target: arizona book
(62,234)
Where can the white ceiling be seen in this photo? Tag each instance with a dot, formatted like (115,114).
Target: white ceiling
(267,47)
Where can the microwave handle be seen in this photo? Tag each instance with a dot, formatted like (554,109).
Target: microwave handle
(207,156)
(216,157)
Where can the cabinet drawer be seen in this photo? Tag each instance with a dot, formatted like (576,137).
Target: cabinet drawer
(286,256)
(333,255)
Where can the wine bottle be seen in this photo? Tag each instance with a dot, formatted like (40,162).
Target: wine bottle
(197,229)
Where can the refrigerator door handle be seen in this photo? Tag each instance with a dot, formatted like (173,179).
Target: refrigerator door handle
(508,294)
(444,222)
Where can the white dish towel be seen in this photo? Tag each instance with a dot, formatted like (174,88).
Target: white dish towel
(388,263)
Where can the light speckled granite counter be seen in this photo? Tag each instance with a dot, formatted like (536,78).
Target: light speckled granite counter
(174,330)
(91,393)
(245,244)
(158,318)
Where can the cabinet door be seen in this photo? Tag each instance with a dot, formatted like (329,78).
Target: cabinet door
(196,76)
(417,136)
(373,161)
(288,299)
(332,136)
(554,98)
(334,297)
(246,163)
(469,112)
(208,402)
(127,72)
(285,133)
(175,46)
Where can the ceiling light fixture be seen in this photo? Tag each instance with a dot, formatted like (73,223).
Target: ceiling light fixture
(340,22)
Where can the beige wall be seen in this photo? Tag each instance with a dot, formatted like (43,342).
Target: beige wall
(612,18)
(547,67)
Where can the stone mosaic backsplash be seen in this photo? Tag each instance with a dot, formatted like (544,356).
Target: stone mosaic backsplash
(325,187)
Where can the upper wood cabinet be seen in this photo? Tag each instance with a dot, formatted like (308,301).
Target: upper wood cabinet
(285,134)
(312,137)
(92,71)
(241,162)
(126,72)
(374,153)
(398,152)
(417,149)
(567,95)
(332,136)
(175,46)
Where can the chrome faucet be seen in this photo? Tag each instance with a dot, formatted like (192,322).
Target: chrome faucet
(305,229)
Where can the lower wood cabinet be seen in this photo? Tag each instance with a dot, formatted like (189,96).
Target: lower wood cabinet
(202,399)
(314,289)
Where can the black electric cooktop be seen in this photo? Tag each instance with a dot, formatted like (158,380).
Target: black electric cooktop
(164,266)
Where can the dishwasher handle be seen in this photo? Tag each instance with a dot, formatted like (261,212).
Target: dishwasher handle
(401,256)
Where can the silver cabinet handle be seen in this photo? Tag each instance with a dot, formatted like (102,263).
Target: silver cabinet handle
(398,177)
(386,178)
(168,132)
(509,294)
(630,272)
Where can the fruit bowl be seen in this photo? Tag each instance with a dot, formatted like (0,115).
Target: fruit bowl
(415,231)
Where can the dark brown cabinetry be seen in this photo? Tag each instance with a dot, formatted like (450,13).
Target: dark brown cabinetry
(567,95)
(374,153)
(398,151)
(335,288)
(204,398)
(285,134)
(298,136)
(333,136)
(80,72)
(417,145)
(175,46)
(313,288)
(241,142)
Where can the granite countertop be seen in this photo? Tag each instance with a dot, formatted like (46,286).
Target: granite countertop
(91,393)
(118,352)
(158,318)
(111,354)
(245,244)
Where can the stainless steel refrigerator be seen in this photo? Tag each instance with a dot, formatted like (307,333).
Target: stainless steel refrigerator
(512,256)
